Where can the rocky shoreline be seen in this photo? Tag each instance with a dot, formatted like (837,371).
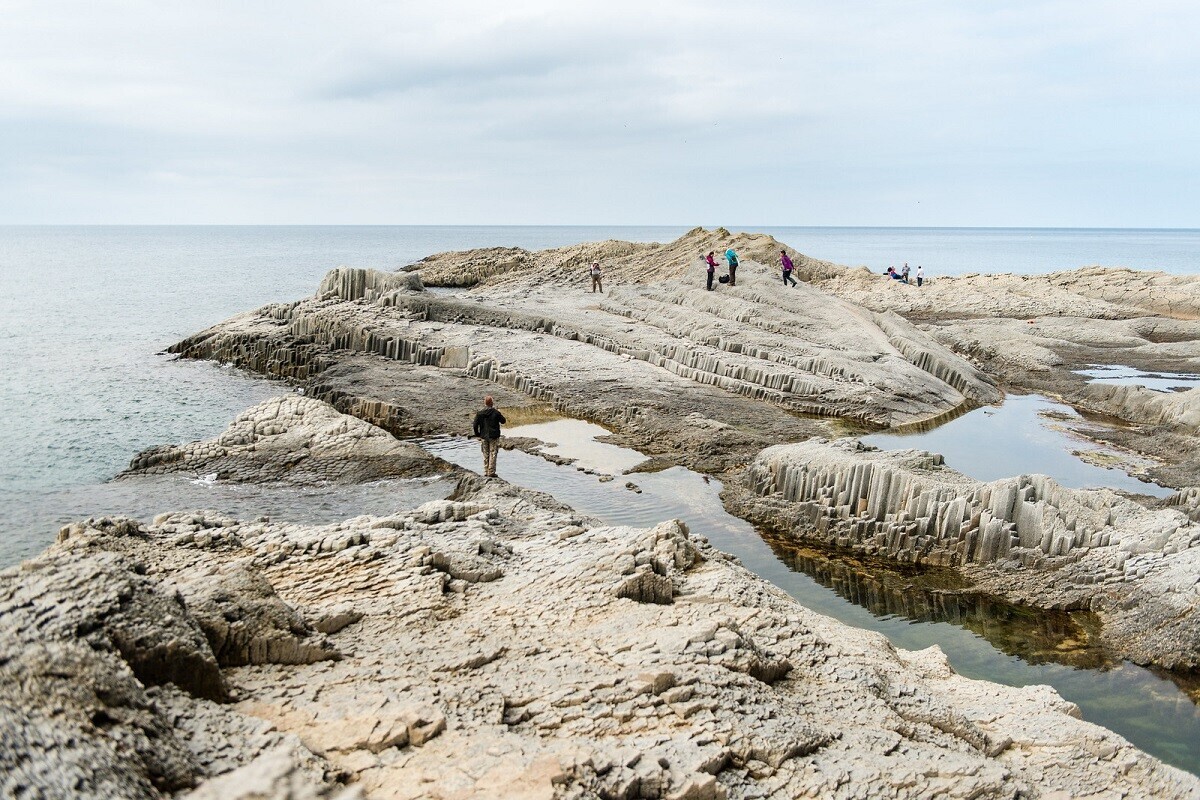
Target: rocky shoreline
(499,644)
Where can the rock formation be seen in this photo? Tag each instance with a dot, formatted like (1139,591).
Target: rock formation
(498,644)
(1025,538)
(294,439)
(710,379)
(501,646)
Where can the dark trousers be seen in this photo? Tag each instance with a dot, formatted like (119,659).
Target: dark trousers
(920,281)
(787,276)
(733,274)
(710,277)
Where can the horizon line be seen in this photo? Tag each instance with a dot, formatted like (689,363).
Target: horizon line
(742,228)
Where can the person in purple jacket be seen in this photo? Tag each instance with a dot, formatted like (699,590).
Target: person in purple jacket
(787,268)
(712,267)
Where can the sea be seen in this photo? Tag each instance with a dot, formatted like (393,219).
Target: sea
(87,311)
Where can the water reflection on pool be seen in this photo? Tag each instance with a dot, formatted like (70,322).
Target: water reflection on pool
(1017,438)
(1131,376)
(983,637)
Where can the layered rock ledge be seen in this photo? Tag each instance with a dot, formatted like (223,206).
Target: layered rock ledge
(1023,538)
(711,379)
(498,644)
(494,646)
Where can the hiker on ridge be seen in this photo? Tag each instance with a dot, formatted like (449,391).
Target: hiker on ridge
(787,268)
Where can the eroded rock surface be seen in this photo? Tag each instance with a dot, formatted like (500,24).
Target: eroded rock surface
(294,439)
(498,655)
(496,645)
(1024,538)
(804,350)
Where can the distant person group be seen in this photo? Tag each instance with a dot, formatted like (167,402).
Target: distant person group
(731,258)
(730,277)
(902,275)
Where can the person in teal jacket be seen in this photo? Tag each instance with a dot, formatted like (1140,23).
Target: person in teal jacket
(732,258)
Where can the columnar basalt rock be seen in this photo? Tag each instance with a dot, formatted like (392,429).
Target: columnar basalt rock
(844,365)
(492,646)
(1026,537)
(350,283)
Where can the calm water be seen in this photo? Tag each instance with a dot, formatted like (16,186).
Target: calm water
(1015,438)
(958,251)
(997,643)
(1130,376)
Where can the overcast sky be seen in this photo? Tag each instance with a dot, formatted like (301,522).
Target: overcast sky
(926,112)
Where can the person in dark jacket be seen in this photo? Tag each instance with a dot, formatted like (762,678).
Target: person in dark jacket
(712,268)
(487,428)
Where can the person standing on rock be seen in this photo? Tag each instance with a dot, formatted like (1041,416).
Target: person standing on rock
(920,275)
(904,274)
(712,268)
(787,268)
(732,258)
(595,273)
(487,428)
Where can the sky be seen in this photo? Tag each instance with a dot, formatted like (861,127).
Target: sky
(921,113)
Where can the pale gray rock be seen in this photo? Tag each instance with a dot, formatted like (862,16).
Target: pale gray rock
(247,623)
(101,598)
(350,283)
(542,682)
(806,351)
(280,774)
(76,722)
(294,439)
(1024,538)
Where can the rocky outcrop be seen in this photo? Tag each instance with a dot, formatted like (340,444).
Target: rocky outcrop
(1026,538)
(497,656)
(295,439)
(246,622)
(102,600)
(350,283)
(495,645)
(76,722)
(811,354)
(622,262)
(111,645)
(1176,296)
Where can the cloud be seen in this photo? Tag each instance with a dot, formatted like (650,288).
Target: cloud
(583,112)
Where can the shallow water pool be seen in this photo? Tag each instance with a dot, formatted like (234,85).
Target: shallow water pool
(1023,436)
(1131,376)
